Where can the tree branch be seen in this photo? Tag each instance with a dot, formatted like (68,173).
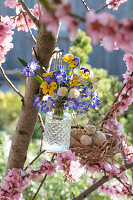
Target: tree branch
(95,186)
(124,186)
(20,142)
(31,34)
(29,13)
(103,180)
(41,182)
(35,159)
(10,83)
(42,127)
(102,8)
(106,115)
(87,8)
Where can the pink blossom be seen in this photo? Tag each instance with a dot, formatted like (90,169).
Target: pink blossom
(113,125)
(11,3)
(23,21)
(113,33)
(102,25)
(47,167)
(109,169)
(128,58)
(60,12)
(5,37)
(111,190)
(12,185)
(69,163)
(114,3)
(75,171)
(35,10)
(50,21)
(91,167)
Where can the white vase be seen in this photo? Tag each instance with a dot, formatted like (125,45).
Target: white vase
(57,132)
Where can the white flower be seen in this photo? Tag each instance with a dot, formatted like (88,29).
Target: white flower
(45,97)
(62,91)
(74,93)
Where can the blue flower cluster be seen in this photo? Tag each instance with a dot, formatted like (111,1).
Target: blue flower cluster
(76,104)
(30,69)
(81,106)
(61,76)
(44,105)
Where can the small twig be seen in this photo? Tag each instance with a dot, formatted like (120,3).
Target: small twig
(39,187)
(29,13)
(87,8)
(57,51)
(16,15)
(82,19)
(10,83)
(42,127)
(102,8)
(32,36)
(73,195)
(41,122)
(35,159)
(55,67)
(129,154)
(124,185)
(106,115)
(41,182)
(60,61)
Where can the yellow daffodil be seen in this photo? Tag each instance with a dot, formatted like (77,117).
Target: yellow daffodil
(75,81)
(48,88)
(48,74)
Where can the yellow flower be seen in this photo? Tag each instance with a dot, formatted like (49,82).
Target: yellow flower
(48,88)
(73,62)
(84,73)
(75,81)
(48,74)
(68,58)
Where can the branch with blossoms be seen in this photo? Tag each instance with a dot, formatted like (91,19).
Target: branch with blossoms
(102,181)
(29,13)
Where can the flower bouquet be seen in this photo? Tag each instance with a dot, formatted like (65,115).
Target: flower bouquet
(61,89)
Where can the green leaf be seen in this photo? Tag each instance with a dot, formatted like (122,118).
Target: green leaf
(40,63)
(38,78)
(24,63)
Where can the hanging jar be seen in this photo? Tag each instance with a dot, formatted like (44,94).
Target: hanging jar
(57,131)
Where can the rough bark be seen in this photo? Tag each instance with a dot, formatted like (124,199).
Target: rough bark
(28,116)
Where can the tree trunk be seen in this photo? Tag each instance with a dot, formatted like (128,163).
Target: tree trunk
(18,152)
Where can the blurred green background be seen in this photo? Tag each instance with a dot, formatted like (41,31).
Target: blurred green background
(55,188)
